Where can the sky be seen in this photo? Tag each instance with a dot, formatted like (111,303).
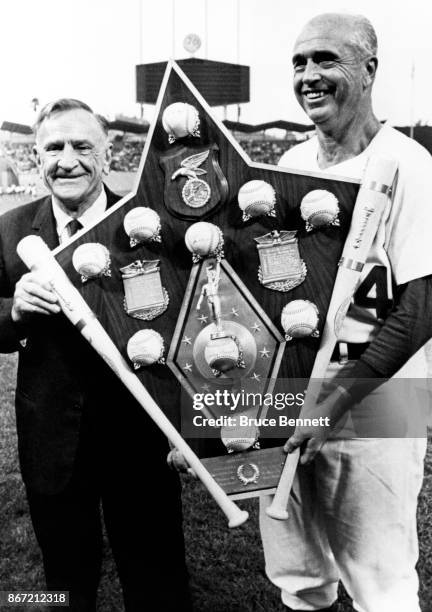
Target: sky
(88,49)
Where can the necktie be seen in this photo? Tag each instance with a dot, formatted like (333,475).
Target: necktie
(73,226)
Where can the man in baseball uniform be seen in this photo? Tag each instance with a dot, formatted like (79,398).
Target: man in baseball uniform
(353,508)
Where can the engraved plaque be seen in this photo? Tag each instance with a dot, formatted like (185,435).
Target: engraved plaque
(145,298)
(281,266)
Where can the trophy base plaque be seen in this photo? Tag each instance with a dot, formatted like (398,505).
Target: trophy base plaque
(248,474)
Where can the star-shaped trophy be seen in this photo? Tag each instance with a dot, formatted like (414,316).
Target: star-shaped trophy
(267,261)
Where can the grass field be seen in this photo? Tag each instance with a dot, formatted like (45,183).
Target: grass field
(226,567)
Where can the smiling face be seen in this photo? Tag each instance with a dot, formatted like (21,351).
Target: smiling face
(332,75)
(73,154)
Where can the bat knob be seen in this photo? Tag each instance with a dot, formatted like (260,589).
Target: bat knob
(277,513)
(238,518)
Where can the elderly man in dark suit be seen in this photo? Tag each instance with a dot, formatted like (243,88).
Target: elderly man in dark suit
(83,441)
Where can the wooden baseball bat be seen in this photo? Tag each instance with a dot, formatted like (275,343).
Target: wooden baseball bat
(36,255)
(368,211)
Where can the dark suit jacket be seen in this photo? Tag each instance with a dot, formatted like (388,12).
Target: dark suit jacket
(57,370)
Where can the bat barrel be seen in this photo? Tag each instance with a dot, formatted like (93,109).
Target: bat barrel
(36,255)
(278,508)
(234,514)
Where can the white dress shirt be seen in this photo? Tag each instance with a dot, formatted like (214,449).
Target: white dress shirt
(91,215)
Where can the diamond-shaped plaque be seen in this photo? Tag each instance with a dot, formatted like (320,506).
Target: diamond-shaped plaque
(261,343)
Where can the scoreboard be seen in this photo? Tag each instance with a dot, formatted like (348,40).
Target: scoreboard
(220,83)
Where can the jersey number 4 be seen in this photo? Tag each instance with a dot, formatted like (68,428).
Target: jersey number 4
(381,303)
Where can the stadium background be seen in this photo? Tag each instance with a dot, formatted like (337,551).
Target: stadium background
(227,568)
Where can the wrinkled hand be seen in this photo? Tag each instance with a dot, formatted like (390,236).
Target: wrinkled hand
(33,294)
(311,438)
(177,462)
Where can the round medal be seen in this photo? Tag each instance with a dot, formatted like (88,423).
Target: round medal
(196,193)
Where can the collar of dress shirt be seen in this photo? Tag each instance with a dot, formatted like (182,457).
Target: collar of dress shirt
(88,217)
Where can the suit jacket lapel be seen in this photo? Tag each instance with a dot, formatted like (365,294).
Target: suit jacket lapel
(112,197)
(44,223)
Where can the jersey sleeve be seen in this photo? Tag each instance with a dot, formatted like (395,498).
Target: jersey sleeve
(408,241)
(405,331)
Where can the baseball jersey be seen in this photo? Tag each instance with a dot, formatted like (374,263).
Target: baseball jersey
(402,250)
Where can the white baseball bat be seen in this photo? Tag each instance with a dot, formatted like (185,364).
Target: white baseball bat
(368,211)
(36,255)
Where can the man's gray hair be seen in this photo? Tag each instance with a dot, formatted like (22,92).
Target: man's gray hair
(67,104)
(362,33)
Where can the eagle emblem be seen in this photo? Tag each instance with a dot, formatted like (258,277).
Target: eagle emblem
(196,192)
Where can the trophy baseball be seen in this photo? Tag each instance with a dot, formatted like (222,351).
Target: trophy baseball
(215,277)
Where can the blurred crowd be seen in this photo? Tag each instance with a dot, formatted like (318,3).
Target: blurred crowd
(126,154)
(19,178)
(18,190)
(21,154)
(266,151)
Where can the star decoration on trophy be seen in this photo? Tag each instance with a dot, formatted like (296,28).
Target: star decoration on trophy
(270,259)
